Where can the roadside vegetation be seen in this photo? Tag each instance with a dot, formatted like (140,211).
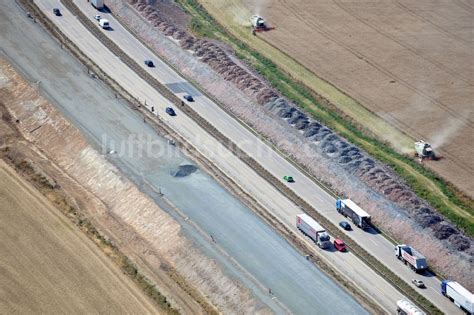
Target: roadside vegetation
(442,195)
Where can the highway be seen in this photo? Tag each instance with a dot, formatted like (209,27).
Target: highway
(204,206)
(265,193)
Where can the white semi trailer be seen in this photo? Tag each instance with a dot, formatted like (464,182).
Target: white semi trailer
(313,230)
(98,4)
(405,307)
(459,295)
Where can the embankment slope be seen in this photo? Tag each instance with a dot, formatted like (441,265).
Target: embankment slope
(48,266)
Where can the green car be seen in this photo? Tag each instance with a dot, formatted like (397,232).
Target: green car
(289,179)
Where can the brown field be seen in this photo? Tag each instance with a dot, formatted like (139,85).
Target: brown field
(48,266)
(410,62)
(407,62)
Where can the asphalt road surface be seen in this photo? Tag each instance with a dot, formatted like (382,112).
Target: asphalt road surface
(376,244)
(260,258)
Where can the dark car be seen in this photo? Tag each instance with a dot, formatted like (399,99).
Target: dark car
(189,98)
(56,12)
(149,63)
(346,226)
(170,111)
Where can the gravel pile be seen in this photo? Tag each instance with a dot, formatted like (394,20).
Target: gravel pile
(334,147)
(360,164)
(209,53)
(325,142)
(184,170)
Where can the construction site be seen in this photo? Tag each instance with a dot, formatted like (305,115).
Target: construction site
(192,210)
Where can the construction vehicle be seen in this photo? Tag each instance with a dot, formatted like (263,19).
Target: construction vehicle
(424,150)
(405,307)
(348,208)
(410,256)
(459,295)
(259,25)
(313,230)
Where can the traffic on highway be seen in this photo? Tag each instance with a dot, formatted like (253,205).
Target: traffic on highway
(402,259)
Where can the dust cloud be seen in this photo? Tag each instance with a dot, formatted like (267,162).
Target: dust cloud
(448,130)
(242,16)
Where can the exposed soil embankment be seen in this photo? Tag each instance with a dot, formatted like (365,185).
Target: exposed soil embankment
(48,266)
(131,219)
(346,168)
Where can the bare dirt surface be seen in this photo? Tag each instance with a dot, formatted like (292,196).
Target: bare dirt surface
(48,266)
(170,12)
(409,62)
(129,123)
(348,170)
(143,231)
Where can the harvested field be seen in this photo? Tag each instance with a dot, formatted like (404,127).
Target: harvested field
(409,63)
(346,168)
(193,282)
(48,266)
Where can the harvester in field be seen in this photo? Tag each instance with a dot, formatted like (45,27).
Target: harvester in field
(424,151)
(259,25)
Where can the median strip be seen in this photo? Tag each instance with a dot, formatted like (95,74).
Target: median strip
(361,253)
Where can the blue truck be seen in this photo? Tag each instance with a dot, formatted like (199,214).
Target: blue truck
(348,208)
(458,295)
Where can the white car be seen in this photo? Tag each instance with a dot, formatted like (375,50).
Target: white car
(97,17)
(418,283)
(104,24)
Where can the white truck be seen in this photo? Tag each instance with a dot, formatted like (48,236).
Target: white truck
(348,208)
(405,307)
(410,256)
(313,230)
(459,295)
(98,4)
(104,23)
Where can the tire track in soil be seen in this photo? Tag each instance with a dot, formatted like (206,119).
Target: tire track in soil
(365,256)
(394,121)
(394,39)
(422,18)
(408,127)
(463,6)
(328,35)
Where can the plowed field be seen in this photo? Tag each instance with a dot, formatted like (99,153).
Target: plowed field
(408,62)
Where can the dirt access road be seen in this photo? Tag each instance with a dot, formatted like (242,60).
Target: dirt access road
(409,63)
(48,266)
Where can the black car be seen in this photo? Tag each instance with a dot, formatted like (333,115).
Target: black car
(346,226)
(56,12)
(170,111)
(188,98)
(149,63)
